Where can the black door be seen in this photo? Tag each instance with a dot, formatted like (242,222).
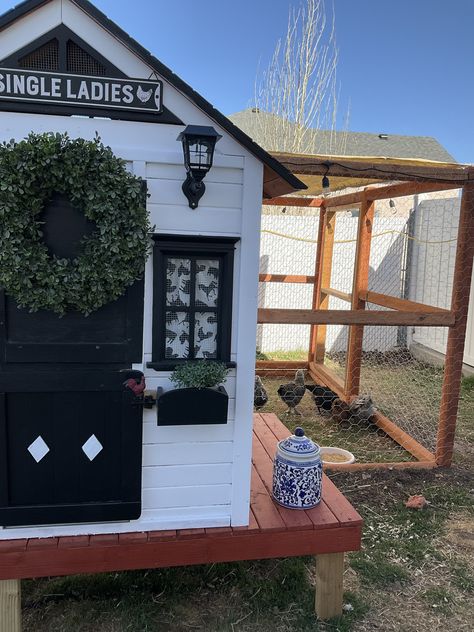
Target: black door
(70,427)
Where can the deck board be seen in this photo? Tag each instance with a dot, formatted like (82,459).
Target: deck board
(333,526)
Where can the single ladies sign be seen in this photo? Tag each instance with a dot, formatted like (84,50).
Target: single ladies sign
(140,95)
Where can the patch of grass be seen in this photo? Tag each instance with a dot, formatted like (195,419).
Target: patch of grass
(261,596)
(376,570)
(357,608)
(440,598)
(462,577)
(467,384)
(295,355)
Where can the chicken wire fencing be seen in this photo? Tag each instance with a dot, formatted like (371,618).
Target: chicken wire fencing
(400,377)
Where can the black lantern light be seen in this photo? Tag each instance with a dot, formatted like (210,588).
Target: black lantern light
(198,147)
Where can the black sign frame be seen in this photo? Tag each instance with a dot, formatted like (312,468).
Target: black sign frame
(69,82)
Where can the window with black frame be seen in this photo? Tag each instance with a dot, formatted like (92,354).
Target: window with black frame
(192,300)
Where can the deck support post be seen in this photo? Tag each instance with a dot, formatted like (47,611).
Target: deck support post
(456,336)
(360,284)
(10,605)
(329,573)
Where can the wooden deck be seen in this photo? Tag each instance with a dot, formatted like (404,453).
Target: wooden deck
(326,531)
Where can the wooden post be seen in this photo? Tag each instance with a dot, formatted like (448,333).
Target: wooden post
(360,284)
(10,605)
(456,336)
(329,573)
(327,226)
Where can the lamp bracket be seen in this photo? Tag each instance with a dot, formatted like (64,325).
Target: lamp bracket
(193,190)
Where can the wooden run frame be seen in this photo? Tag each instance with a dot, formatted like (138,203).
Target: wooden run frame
(417,179)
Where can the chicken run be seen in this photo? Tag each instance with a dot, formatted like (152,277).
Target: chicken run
(338,302)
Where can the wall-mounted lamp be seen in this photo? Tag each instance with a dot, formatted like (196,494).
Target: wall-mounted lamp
(198,147)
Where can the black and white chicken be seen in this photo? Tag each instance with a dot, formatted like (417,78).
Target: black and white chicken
(292,393)
(260,397)
(323,397)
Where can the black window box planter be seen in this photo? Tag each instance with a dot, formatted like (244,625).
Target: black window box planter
(192,406)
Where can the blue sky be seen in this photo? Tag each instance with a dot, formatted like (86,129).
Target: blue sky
(407,67)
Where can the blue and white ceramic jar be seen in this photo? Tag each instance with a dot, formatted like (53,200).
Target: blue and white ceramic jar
(297,472)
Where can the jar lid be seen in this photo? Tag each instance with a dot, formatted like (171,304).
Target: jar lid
(299,445)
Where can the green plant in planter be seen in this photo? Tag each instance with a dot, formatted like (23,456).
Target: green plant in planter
(199,374)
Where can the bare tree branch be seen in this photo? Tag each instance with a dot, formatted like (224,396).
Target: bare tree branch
(298,92)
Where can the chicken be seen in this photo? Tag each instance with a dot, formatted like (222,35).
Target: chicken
(260,397)
(323,397)
(340,410)
(136,384)
(292,393)
(144,95)
(361,409)
(358,412)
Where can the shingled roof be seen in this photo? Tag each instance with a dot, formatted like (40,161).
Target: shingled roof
(329,143)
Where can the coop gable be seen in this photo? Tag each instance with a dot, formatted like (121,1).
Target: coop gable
(58,33)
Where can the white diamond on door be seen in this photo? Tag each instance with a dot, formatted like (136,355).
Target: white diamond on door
(92,447)
(38,449)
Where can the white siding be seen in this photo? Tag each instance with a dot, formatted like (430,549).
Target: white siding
(193,476)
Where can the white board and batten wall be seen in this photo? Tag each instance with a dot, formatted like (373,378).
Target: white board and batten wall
(193,476)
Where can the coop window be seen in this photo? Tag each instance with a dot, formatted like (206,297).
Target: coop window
(192,302)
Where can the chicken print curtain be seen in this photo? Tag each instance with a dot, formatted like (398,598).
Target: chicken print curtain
(192,292)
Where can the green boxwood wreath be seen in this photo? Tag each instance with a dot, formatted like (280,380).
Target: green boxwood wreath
(112,257)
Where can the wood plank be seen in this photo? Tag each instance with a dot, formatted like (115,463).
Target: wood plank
(321,373)
(285,278)
(330,291)
(386,169)
(321,301)
(402,304)
(264,466)
(360,283)
(161,554)
(251,528)
(317,296)
(293,201)
(354,317)
(329,593)
(402,438)
(263,507)
(321,517)
(10,605)
(402,189)
(453,360)
(396,465)
(283,364)
(337,503)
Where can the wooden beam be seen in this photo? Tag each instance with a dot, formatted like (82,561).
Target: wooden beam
(400,304)
(453,360)
(301,202)
(285,278)
(330,291)
(306,164)
(396,465)
(401,437)
(327,229)
(401,189)
(354,317)
(329,574)
(10,605)
(318,264)
(360,283)
(321,373)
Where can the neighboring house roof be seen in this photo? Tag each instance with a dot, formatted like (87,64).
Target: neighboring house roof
(277,179)
(327,143)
